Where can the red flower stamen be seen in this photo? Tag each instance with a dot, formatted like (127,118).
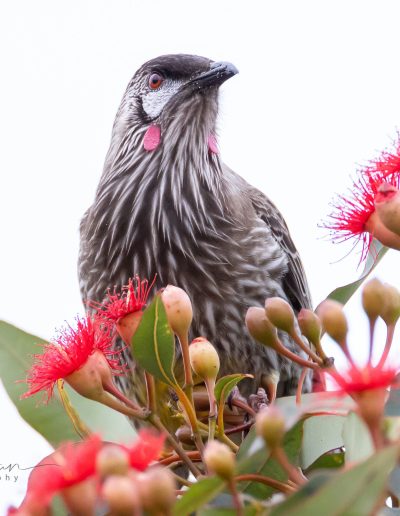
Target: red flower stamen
(145,450)
(357,380)
(388,163)
(352,212)
(68,352)
(132,298)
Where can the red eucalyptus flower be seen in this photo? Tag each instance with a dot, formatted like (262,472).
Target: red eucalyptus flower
(73,463)
(145,450)
(354,215)
(125,308)
(356,380)
(67,466)
(69,352)
(132,298)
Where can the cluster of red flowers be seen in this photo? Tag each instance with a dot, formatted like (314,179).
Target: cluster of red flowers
(353,215)
(78,465)
(72,348)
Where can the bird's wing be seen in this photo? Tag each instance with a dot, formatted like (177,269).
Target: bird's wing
(294,282)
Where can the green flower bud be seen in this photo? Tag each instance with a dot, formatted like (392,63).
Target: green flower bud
(333,320)
(310,325)
(204,359)
(178,308)
(270,425)
(121,495)
(219,459)
(390,311)
(112,460)
(261,328)
(373,298)
(157,490)
(280,313)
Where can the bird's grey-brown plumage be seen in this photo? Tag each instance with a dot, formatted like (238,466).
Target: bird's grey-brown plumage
(180,212)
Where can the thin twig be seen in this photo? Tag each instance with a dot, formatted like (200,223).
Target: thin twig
(268,481)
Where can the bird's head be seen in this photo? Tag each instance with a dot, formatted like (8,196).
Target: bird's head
(174,82)
(177,94)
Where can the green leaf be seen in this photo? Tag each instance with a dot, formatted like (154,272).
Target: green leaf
(330,460)
(321,434)
(375,255)
(222,390)
(261,463)
(357,440)
(50,420)
(225,385)
(153,345)
(354,492)
(198,495)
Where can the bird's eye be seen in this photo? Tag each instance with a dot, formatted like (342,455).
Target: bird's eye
(155,80)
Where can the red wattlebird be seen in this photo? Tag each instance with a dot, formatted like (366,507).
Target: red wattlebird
(167,204)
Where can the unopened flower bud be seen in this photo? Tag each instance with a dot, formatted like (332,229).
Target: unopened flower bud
(127,326)
(260,327)
(310,325)
(280,313)
(387,206)
(157,490)
(112,460)
(204,358)
(219,459)
(390,311)
(121,495)
(333,320)
(81,498)
(373,298)
(270,425)
(179,310)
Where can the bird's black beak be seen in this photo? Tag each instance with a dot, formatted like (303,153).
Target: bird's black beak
(218,73)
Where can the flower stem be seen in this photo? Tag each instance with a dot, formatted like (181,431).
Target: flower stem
(243,405)
(188,387)
(300,385)
(388,345)
(191,414)
(302,345)
(155,421)
(293,473)
(221,437)
(235,496)
(268,481)
(280,348)
(212,417)
(371,338)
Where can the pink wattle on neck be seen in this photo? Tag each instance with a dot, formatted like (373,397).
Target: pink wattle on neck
(212,144)
(152,138)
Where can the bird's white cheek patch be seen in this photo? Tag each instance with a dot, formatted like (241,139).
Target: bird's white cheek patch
(154,101)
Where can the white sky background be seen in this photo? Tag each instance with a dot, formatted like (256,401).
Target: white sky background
(317,93)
